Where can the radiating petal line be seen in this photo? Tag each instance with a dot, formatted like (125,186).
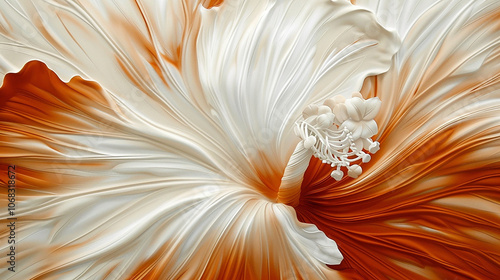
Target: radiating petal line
(427,205)
(148,157)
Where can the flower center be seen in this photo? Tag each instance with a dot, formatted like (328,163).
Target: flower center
(339,134)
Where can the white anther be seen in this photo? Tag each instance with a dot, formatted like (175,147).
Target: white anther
(357,94)
(354,171)
(324,110)
(309,142)
(330,103)
(374,147)
(325,120)
(337,174)
(366,158)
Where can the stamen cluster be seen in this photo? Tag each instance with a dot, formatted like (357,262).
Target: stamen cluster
(339,132)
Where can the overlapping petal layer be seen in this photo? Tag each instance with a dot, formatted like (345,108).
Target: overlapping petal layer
(101,196)
(428,204)
(146,173)
(263,62)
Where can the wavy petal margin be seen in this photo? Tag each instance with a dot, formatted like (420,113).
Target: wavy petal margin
(428,204)
(138,176)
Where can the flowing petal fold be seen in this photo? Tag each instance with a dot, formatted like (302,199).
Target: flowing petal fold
(151,70)
(427,205)
(263,62)
(174,156)
(90,179)
(324,249)
(105,194)
(152,57)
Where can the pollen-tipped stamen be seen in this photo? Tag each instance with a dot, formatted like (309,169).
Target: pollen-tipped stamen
(339,134)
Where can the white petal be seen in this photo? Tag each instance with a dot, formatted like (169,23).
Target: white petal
(357,132)
(307,239)
(263,62)
(99,183)
(123,45)
(441,104)
(105,185)
(167,152)
(442,57)
(398,15)
(356,128)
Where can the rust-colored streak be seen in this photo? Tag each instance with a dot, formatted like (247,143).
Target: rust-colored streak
(422,209)
(36,95)
(427,205)
(211,3)
(416,220)
(36,109)
(232,257)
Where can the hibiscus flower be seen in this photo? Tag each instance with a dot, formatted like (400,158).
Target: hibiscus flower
(161,152)
(210,140)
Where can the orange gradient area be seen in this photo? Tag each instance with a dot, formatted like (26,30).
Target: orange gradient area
(39,115)
(233,257)
(37,112)
(427,206)
(257,252)
(426,209)
(64,183)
